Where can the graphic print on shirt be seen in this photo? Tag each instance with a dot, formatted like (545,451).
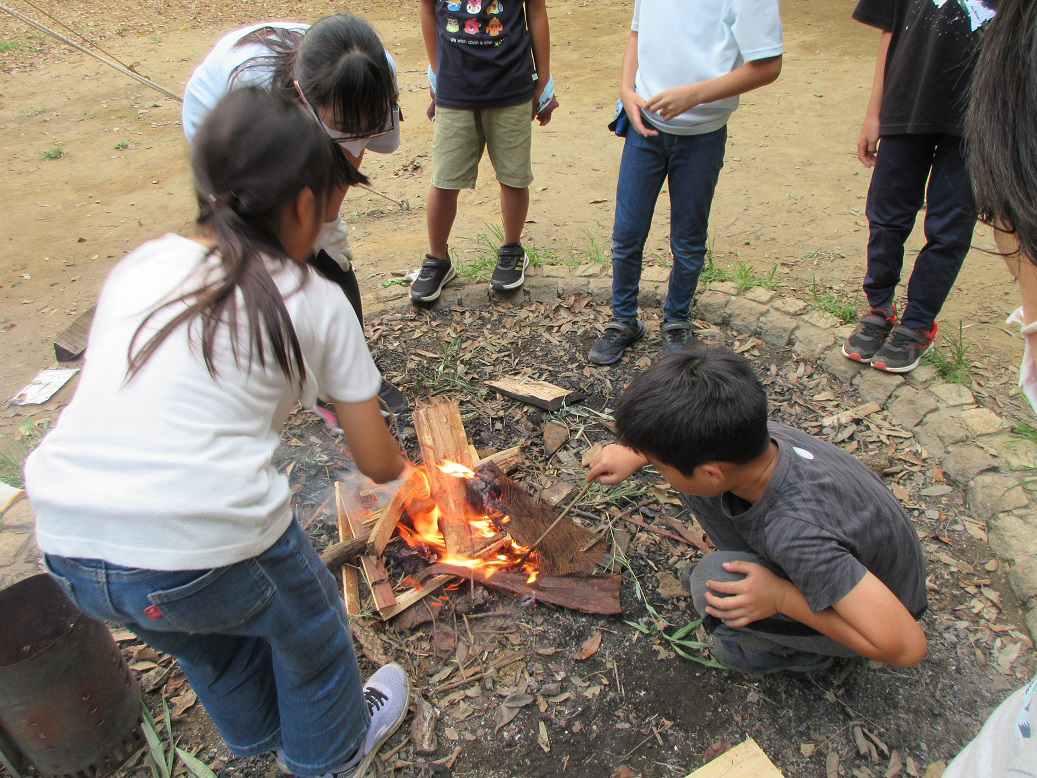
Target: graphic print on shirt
(452,25)
(494,8)
(978,10)
(494,27)
(453,6)
(472,26)
(474,6)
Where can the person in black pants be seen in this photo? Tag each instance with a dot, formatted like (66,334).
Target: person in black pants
(912,135)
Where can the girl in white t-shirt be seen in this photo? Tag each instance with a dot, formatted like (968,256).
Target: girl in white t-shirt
(157,504)
(339,70)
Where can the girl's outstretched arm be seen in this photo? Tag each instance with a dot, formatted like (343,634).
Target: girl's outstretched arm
(373,447)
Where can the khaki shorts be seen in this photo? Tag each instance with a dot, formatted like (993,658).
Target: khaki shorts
(459,138)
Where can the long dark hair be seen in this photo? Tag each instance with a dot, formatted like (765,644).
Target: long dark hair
(253,155)
(339,63)
(1001,123)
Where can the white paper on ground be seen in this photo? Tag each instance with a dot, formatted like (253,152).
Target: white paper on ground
(43,386)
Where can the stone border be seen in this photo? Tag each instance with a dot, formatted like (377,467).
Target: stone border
(973,443)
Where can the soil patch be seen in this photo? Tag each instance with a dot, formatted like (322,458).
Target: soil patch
(634,701)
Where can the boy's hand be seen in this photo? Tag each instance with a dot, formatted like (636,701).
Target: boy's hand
(672,102)
(868,143)
(759,595)
(614,464)
(632,104)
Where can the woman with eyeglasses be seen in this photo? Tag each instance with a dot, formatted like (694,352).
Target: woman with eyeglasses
(340,71)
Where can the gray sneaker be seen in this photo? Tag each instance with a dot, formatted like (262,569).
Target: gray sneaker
(615,340)
(677,336)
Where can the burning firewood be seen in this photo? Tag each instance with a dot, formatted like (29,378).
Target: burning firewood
(562,551)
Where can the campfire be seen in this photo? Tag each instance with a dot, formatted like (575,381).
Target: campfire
(459,517)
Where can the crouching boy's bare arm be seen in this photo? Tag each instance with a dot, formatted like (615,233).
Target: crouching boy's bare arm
(869,620)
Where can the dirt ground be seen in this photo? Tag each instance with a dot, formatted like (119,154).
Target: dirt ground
(791,196)
(633,704)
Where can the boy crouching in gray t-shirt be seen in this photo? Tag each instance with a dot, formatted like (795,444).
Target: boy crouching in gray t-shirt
(815,556)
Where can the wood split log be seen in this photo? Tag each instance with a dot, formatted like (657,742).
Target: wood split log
(585,593)
(563,551)
(442,438)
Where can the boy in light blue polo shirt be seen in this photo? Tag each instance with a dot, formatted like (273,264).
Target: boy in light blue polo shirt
(685,65)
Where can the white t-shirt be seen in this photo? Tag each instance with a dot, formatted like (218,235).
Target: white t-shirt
(682,42)
(1006,746)
(172,470)
(214,78)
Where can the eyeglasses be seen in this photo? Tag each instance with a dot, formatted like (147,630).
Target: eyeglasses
(343,137)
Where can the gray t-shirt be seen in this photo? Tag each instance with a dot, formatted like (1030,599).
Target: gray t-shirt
(825,519)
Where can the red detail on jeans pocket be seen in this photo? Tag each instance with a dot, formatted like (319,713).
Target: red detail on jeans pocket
(153,612)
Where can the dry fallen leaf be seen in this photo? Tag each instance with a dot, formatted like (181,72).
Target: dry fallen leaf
(590,647)
(504,716)
(591,454)
(542,740)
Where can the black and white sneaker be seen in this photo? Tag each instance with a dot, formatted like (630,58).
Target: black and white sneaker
(433,276)
(510,272)
(391,400)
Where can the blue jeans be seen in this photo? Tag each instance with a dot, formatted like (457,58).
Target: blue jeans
(264,643)
(692,164)
(913,169)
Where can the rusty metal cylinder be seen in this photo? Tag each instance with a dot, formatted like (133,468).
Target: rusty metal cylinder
(69,704)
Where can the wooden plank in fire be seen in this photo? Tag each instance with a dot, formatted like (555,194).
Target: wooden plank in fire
(352,511)
(442,438)
(350,582)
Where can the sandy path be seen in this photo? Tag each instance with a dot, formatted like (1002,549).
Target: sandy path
(791,193)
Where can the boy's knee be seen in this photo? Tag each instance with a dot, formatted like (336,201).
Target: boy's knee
(711,568)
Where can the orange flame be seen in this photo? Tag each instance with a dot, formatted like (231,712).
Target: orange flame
(425,517)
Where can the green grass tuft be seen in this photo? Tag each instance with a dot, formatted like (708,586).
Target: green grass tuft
(951,358)
(829,302)
(55,153)
(747,278)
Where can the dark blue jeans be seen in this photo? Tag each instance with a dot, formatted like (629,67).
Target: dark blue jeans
(264,643)
(898,189)
(691,164)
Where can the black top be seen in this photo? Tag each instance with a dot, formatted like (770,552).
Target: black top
(484,54)
(824,519)
(931,57)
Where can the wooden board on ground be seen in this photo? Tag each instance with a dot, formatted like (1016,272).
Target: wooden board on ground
(746,760)
(539,393)
(585,593)
(71,343)
(9,497)
(442,439)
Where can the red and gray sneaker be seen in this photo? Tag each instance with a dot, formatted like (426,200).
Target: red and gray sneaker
(904,349)
(865,341)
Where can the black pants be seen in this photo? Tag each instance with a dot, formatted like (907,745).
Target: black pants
(346,280)
(898,187)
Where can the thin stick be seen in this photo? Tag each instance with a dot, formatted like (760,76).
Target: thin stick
(555,523)
(655,733)
(316,513)
(597,539)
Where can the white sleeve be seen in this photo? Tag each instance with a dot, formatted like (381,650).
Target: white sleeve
(757,28)
(635,22)
(339,360)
